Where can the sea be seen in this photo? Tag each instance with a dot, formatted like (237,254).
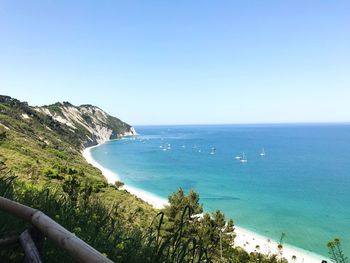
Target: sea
(296,178)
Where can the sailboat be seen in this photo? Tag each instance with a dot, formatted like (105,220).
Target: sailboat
(243,159)
(262,154)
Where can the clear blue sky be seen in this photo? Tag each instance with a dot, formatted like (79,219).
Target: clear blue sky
(181,62)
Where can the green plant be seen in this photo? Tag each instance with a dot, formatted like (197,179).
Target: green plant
(336,252)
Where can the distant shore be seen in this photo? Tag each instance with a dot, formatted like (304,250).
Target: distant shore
(246,239)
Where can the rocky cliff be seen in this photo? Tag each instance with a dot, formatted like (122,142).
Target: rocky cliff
(84,125)
(97,125)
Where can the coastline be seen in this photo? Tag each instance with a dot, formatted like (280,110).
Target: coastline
(250,241)
(112,177)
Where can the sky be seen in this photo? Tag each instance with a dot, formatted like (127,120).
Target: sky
(183,61)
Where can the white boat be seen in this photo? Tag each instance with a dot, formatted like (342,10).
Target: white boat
(165,147)
(238,157)
(213,150)
(243,159)
(262,152)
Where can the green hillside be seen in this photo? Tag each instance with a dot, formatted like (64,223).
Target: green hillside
(38,149)
(46,154)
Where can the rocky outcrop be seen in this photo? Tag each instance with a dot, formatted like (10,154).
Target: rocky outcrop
(97,126)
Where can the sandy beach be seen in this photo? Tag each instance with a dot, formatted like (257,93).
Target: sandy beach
(112,177)
(249,240)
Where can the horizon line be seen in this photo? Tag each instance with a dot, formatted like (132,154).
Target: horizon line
(250,123)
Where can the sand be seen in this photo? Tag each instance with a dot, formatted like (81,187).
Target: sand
(250,240)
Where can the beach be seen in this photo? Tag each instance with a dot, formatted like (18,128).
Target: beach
(246,239)
(251,242)
(112,177)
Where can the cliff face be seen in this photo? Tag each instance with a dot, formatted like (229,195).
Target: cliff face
(84,125)
(97,125)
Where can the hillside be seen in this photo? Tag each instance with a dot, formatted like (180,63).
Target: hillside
(44,143)
(41,147)
(84,125)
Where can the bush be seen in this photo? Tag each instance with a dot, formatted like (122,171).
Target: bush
(118,184)
(53,174)
(2,135)
(60,154)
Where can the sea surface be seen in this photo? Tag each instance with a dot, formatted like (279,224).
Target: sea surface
(301,187)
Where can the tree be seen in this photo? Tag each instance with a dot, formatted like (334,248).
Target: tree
(217,235)
(177,204)
(71,187)
(118,185)
(336,252)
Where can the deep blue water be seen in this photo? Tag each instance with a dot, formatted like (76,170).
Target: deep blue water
(301,187)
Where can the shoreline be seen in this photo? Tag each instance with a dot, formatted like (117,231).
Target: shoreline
(249,240)
(112,177)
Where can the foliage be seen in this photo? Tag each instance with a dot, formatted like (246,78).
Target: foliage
(335,251)
(118,184)
(107,228)
(2,134)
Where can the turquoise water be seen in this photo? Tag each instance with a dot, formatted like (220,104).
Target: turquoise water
(301,187)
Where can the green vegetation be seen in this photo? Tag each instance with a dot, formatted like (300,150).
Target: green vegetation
(112,229)
(41,166)
(45,156)
(336,252)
